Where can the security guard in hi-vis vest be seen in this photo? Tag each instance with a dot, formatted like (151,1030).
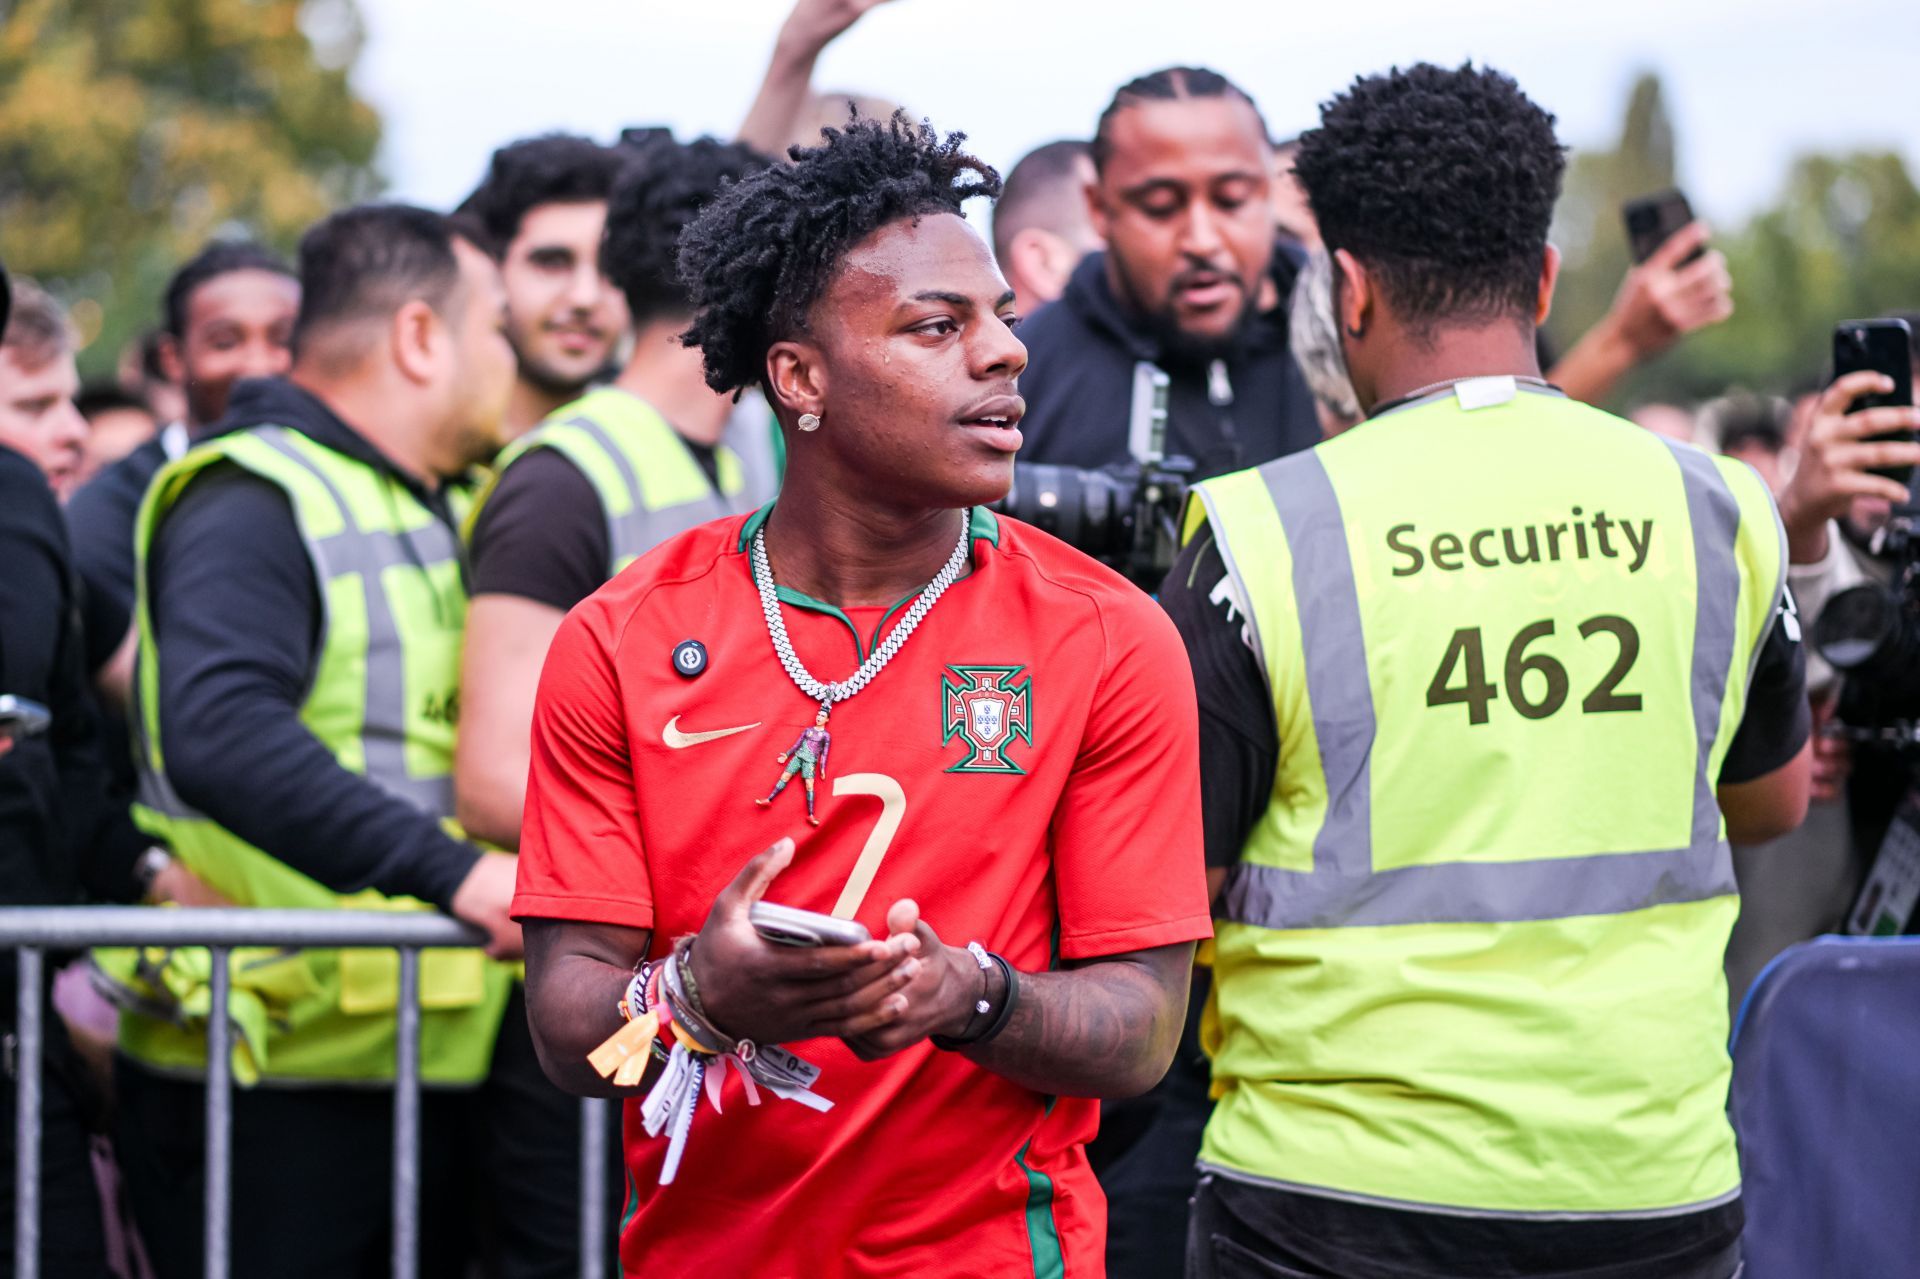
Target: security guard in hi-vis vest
(605,479)
(1486,686)
(301,598)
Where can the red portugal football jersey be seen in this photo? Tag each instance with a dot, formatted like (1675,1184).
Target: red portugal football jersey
(1026,769)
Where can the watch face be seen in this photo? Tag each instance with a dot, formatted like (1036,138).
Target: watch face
(149,865)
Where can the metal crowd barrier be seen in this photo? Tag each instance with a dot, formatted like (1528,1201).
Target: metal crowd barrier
(34,930)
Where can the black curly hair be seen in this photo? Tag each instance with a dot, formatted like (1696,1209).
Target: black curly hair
(661,190)
(552,168)
(221,257)
(1442,183)
(765,249)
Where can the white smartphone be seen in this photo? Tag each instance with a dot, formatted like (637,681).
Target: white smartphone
(787,926)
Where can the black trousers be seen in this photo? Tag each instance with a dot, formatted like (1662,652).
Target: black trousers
(312,1174)
(71,1240)
(1239,1231)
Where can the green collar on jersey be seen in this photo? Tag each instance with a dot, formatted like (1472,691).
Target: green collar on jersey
(985,525)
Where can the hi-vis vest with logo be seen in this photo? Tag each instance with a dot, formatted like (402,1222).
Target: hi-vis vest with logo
(650,486)
(383,698)
(1470,957)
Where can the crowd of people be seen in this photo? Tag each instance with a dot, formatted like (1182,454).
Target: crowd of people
(441,568)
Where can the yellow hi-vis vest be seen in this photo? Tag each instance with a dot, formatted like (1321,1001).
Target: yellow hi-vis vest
(649,485)
(1470,957)
(383,697)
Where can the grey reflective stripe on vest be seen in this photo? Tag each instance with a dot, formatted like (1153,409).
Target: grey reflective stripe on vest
(1343,889)
(370,552)
(1714,514)
(639,530)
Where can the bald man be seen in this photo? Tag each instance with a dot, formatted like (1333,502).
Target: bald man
(1041,228)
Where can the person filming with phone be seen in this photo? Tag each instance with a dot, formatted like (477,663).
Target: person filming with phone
(1010,817)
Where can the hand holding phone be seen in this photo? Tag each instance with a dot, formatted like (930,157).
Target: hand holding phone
(811,985)
(1884,347)
(1654,219)
(1677,284)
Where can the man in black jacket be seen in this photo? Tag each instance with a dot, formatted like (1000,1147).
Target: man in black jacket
(403,373)
(60,836)
(1190,283)
(228,315)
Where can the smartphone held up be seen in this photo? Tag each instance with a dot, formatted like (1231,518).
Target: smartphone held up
(1654,219)
(1884,347)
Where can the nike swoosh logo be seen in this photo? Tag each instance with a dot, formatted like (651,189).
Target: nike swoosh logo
(673,737)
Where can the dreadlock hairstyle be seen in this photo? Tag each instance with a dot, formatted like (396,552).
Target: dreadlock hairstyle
(1442,183)
(1169,84)
(766,248)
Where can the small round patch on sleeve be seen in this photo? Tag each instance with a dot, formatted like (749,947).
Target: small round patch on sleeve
(689,658)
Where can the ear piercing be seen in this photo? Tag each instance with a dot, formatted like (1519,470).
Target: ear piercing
(809,421)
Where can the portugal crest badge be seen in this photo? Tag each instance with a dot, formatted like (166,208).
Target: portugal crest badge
(987,709)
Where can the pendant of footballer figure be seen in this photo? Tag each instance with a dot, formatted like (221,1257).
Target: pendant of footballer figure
(807,757)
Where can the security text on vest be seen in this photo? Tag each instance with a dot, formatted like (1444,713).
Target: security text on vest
(1581,537)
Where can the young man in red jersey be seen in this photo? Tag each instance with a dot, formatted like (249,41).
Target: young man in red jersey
(1014,766)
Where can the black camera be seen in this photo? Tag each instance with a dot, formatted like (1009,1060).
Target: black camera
(1871,635)
(1126,515)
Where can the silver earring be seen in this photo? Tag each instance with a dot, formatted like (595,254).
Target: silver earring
(809,421)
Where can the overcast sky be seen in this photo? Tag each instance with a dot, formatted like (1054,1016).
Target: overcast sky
(1750,84)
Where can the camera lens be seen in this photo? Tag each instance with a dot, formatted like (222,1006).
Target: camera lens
(1856,624)
(1088,510)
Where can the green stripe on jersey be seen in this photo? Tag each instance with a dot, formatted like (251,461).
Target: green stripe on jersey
(1042,1235)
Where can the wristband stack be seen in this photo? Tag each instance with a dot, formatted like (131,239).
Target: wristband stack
(662,1002)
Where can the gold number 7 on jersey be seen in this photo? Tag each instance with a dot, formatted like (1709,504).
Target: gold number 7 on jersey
(893,809)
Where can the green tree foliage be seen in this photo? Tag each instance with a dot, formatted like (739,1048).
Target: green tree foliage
(1840,241)
(1587,224)
(132,131)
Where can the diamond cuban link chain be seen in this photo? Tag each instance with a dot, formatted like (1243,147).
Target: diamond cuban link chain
(827,694)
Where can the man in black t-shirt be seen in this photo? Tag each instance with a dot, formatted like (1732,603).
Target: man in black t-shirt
(546,536)
(1463,1011)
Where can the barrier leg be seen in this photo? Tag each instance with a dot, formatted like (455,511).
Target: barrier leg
(406,1122)
(26,1118)
(219,1121)
(593,1187)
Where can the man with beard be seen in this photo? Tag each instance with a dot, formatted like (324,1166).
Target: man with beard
(1183,197)
(543,207)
